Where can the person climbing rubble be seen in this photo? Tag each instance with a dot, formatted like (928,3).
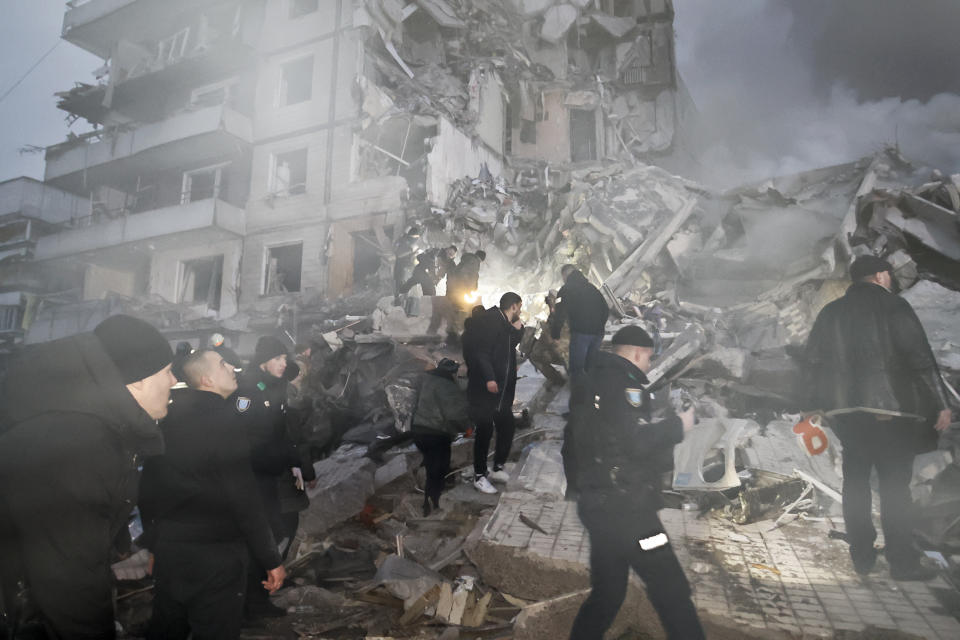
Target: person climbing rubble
(869,366)
(548,351)
(583,307)
(440,415)
(614,456)
(405,252)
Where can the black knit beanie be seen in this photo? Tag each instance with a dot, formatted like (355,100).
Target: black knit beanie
(135,346)
(868,265)
(633,336)
(268,348)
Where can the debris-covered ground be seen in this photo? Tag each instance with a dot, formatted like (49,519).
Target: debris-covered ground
(729,284)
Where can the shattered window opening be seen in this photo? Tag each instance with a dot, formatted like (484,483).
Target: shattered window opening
(289,175)
(203,184)
(10,318)
(171,49)
(367,256)
(583,135)
(224,92)
(299,8)
(296,82)
(283,268)
(201,281)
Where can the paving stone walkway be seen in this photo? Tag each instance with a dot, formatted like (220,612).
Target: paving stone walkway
(793,578)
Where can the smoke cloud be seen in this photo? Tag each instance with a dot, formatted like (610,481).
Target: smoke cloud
(788,85)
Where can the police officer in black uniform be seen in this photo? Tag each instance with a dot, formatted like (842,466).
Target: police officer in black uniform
(202,511)
(614,458)
(261,404)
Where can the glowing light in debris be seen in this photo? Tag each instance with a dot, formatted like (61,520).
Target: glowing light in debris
(472,297)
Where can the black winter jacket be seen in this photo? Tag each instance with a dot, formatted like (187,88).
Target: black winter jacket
(441,406)
(491,354)
(582,305)
(868,350)
(610,443)
(203,489)
(71,443)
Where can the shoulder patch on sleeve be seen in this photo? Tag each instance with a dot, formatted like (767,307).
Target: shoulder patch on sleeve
(634,396)
(261,386)
(243,403)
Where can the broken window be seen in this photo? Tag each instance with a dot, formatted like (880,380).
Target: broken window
(10,316)
(284,265)
(289,175)
(302,7)
(202,184)
(201,281)
(171,49)
(296,82)
(218,93)
(583,135)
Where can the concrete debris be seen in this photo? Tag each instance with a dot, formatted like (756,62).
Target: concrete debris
(342,488)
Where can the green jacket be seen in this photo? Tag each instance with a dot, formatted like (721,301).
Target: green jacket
(441,406)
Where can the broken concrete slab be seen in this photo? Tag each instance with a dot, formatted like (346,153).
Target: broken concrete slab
(405,579)
(938,309)
(343,486)
(557,21)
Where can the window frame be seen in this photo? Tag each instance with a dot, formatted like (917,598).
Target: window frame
(281,100)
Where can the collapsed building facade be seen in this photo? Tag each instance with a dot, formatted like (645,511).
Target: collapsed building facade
(251,161)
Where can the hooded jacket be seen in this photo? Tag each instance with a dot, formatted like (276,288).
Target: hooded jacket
(868,351)
(71,441)
(582,305)
(441,406)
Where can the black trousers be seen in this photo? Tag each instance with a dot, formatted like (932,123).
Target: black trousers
(436,458)
(198,589)
(486,422)
(616,526)
(887,446)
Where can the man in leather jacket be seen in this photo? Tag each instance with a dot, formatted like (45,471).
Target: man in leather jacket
(614,457)
(869,366)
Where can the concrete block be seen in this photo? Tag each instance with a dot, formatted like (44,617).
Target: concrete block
(343,487)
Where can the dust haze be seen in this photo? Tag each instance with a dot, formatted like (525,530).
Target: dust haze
(789,85)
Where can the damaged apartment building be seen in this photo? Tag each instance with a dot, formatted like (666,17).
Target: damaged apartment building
(250,159)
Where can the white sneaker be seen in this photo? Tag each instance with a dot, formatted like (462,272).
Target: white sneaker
(500,476)
(483,485)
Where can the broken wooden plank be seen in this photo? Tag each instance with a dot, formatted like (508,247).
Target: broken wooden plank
(533,525)
(478,615)
(419,605)
(445,602)
(458,606)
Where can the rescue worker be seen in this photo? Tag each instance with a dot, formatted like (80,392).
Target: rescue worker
(462,283)
(79,416)
(424,274)
(583,307)
(440,415)
(491,355)
(614,458)
(404,253)
(549,351)
(201,511)
(293,496)
(868,362)
(261,404)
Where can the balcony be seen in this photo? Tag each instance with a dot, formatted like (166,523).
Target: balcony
(93,25)
(189,137)
(205,221)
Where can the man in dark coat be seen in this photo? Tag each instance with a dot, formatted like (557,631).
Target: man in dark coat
(583,307)
(462,283)
(614,457)
(491,357)
(201,511)
(440,414)
(870,367)
(79,416)
(261,404)
(424,274)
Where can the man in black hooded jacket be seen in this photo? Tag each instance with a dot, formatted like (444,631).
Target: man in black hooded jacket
(79,416)
(870,367)
(583,307)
